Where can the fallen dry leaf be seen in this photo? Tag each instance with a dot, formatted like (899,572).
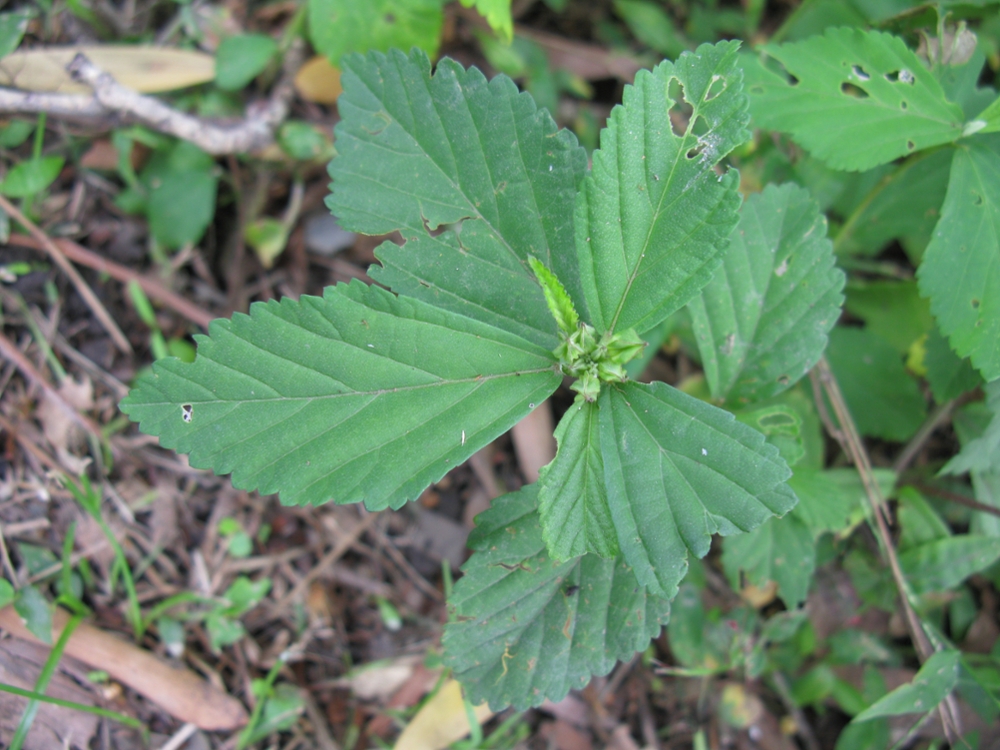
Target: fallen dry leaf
(178,691)
(380,680)
(20,664)
(441,721)
(144,69)
(318,81)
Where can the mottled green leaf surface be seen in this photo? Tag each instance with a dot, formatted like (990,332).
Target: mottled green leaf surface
(528,627)
(859,98)
(831,500)
(892,310)
(415,152)
(573,502)
(929,687)
(974,423)
(948,375)
(762,320)
(904,205)
(678,470)
(357,395)
(960,271)
(653,215)
(781,550)
(944,563)
(337,27)
(884,400)
(983,452)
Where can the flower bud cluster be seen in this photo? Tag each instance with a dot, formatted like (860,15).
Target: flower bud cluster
(592,360)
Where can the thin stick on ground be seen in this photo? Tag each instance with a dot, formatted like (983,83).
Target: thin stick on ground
(9,351)
(852,444)
(59,258)
(155,290)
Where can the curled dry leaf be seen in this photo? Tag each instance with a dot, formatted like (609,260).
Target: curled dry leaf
(143,69)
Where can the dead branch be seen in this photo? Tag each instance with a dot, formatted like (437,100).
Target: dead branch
(115,105)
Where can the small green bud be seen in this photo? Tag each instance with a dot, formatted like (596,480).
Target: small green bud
(611,372)
(587,386)
(625,346)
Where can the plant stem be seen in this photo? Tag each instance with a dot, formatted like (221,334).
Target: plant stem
(852,444)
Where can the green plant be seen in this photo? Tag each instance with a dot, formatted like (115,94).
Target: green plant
(364,395)
(521,267)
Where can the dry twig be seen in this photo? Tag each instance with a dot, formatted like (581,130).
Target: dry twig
(60,260)
(852,444)
(155,290)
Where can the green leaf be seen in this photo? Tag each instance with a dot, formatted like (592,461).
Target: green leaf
(762,321)
(268,238)
(417,151)
(222,630)
(858,98)
(653,216)
(7,592)
(572,500)
(497,15)
(12,28)
(35,612)
(960,271)
(905,205)
(527,628)
(337,27)
(652,26)
(303,141)
(15,132)
(892,310)
(31,177)
(832,500)
(987,121)
(357,395)
(241,58)
(944,563)
(781,424)
(982,453)
(678,470)
(971,422)
(931,685)
(556,297)
(780,550)
(181,206)
(948,375)
(884,400)
(919,521)
(244,594)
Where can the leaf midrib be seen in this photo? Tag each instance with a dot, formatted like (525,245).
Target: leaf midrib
(378,392)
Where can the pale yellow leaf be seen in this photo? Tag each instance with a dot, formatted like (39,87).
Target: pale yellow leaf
(441,721)
(318,81)
(144,69)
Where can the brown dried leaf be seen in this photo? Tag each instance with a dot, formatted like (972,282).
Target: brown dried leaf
(318,81)
(441,721)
